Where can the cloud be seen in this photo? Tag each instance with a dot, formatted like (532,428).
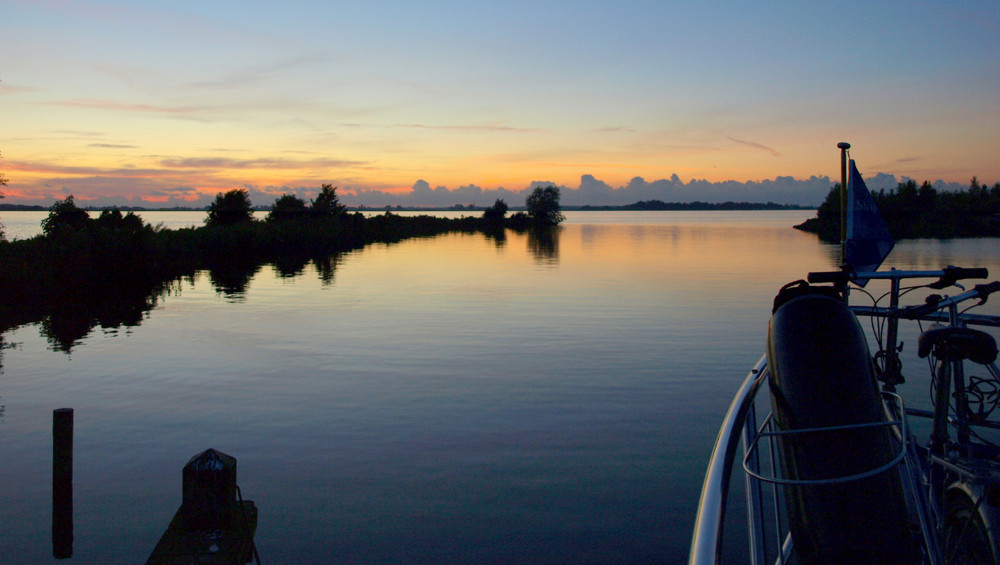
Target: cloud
(177,190)
(111,105)
(99,190)
(593,191)
(470,127)
(172,181)
(175,181)
(756,146)
(216,163)
(78,133)
(8,89)
(252,75)
(82,171)
(145,187)
(111,146)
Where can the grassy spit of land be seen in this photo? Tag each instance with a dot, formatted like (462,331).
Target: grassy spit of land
(82,271)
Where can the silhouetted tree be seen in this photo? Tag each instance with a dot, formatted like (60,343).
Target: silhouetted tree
(827,220)
(906,191)
(64,215)
(543,206)
(288,207)
(230,208)
(927,195)
(975,189)
(3,182)
(496,212)
(327,204)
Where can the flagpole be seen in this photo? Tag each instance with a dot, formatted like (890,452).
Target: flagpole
(843,146)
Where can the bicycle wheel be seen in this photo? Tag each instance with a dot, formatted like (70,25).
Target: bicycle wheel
(966,539)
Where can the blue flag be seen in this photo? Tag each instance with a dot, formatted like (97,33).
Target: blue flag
(868,240)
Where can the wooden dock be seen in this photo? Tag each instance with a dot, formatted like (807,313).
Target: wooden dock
(182,545)
(212,526)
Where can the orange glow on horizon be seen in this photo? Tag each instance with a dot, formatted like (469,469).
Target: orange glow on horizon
(121,174)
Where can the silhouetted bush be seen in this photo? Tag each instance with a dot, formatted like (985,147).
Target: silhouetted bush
(496,212)
(519,221)
(287,207)
(230,208)
(65,215)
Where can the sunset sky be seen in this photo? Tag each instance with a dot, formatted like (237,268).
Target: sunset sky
(171,102)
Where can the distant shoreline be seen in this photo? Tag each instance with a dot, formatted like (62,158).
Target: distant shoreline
(641,206)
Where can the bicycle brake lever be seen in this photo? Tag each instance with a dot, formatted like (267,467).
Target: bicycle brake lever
(985,290)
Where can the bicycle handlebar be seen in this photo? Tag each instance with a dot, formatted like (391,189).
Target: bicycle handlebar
(946,277)
(955,274)
(831,277)
(936,302)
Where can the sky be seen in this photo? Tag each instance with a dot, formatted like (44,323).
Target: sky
(169,103)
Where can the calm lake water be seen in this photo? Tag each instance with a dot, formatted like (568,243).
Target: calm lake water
(444,400)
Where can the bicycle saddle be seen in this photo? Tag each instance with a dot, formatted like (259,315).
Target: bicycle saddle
(956,344)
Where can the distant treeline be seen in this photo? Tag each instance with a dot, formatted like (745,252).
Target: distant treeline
(21,208)
(695,206)
(911,211)
(641,205)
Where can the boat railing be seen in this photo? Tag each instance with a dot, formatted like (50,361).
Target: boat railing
(768,431)
(706,543)
(767,532)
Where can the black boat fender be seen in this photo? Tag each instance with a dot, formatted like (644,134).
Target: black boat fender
(821,376)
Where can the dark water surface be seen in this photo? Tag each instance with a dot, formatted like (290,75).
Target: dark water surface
(445,400)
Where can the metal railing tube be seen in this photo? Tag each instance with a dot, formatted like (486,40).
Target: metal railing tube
(706,543)
(755,506)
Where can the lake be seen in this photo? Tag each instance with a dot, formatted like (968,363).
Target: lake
(454,399)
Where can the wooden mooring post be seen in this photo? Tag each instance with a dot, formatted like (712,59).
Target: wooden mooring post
(62,483)
(213,524)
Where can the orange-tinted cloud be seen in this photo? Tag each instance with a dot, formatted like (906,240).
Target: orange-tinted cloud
(756,146)
(218,163)
(125,107)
